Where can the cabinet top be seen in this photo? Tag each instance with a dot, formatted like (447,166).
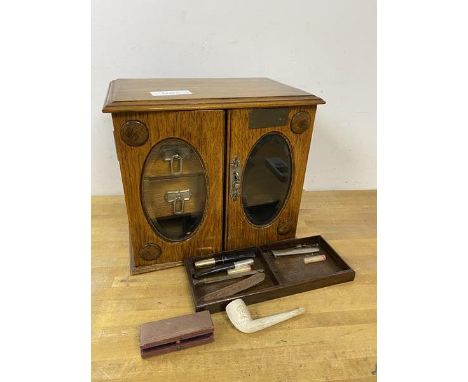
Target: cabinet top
(202,93)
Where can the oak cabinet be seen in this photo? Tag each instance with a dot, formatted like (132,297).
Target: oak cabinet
(209,164)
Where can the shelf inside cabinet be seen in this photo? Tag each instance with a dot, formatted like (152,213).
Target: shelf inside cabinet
(173,176)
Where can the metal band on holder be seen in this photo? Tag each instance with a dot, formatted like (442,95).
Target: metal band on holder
(242,269)
(298,250)
(243,263)
(204,263)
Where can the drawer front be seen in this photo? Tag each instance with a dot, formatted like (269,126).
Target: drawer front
(173,158)
(165,198)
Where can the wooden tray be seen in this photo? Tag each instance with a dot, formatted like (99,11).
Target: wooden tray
(283,275)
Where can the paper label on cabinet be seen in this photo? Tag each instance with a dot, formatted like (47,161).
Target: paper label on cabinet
(162,93)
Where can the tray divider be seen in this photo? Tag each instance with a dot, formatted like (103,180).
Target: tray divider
(271,266)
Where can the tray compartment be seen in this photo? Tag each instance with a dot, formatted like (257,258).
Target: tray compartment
(259,263)
(291,269)
(283,276)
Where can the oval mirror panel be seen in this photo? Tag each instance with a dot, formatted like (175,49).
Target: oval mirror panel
(173,189)
(266,179)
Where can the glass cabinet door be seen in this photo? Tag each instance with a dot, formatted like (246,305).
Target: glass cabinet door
(267,158)
(266,179)
(173,189)
(172,165)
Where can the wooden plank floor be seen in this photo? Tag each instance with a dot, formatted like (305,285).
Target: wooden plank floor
(335,340)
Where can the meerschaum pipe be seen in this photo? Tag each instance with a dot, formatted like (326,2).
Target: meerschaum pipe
(240,317)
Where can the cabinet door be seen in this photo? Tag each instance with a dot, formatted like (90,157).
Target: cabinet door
(267,157)
(172,171)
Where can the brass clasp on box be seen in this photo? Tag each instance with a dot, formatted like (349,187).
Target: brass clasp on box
(178,199)
(173,158)
(235,178)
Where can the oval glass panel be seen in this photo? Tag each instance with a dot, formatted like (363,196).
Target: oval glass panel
(266,179)
(173,189)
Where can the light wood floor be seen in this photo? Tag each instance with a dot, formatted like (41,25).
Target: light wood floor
(335,340)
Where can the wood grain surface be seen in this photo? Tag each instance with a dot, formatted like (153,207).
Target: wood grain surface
(335,340)
(240,232)
(196,127)
(206,93)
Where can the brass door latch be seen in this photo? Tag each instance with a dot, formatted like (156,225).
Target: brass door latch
(235,178)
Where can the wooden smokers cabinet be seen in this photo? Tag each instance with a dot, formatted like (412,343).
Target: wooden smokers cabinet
(209,164)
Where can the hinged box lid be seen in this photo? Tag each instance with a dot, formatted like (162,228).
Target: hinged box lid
(126,95)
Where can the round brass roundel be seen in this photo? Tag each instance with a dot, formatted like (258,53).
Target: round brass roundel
(284,227)
(300,122)
(150,252)
(134,133)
